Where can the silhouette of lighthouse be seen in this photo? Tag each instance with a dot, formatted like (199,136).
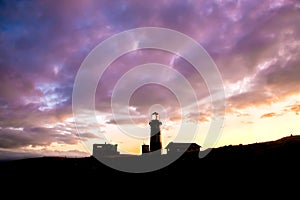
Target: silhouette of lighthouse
(155,141)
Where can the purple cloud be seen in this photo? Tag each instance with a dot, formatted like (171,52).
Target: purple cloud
(42,45)
(38,136)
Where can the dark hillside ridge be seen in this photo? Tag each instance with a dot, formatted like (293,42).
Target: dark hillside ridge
(279,158)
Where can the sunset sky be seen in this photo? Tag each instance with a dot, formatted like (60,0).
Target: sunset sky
(254,44)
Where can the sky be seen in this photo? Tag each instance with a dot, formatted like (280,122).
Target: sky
(254,44)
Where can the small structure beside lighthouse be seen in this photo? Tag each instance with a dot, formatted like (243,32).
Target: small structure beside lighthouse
(155,138)
(155,147)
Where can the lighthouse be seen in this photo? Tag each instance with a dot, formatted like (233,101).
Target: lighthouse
(155,138)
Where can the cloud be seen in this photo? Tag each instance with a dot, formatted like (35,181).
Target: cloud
(270,85)
(30,115)
(14,87)
(254,37)
(43,44)
(6,154)
(199,117)
(247,122)
(88,135)
(38,136)
(291,108)
(12,155)
(248,40)
(268,115)
(295,108)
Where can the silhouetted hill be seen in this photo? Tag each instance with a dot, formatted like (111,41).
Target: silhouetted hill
(271,160)
(287,148)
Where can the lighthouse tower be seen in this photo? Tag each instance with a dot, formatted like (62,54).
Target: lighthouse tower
(155,140)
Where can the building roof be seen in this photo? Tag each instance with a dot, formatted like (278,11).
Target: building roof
(182,145)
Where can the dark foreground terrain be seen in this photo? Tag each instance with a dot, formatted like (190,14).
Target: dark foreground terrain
(276,162)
